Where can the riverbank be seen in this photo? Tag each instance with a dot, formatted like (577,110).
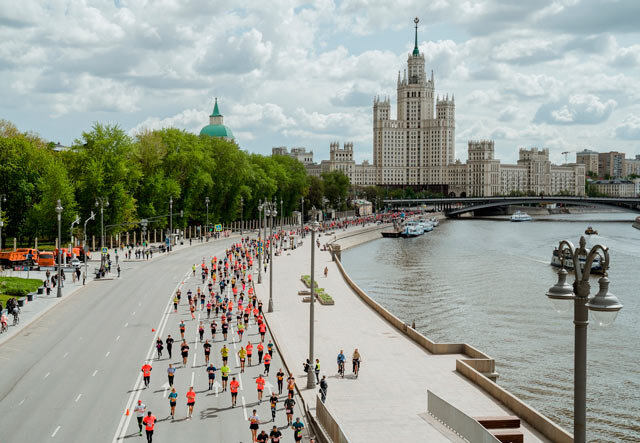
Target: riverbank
(398,366)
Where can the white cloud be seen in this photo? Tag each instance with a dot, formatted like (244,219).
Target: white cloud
(579,109)
(629,129)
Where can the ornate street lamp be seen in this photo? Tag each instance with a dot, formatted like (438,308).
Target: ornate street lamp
(102,202)
(59,281)
(311,381)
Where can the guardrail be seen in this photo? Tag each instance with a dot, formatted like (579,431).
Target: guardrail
(329,423)
(458,421)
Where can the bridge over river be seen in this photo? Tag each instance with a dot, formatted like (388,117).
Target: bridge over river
(453,207)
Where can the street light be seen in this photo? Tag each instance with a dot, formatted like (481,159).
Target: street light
(102,202)
(605,307)
(144,223)
(260,247)
(311,382)
(3,198)
(206,200)
(302,217)
(85,248)
(281,223)
(241,216)
(274,214)
(75,222)
(171,223)
(59,212)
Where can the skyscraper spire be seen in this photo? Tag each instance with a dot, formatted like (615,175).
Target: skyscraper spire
(415,48)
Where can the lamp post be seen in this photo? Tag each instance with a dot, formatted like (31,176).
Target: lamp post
(206,200)
(75,222)
(241,216)
(301,217)
(91,217)
(144,223)
(260,247)
(605,307)
(170,223)
(102,202)
(311,381)
(3,198)
(274,213)
(59,212)
(281,223)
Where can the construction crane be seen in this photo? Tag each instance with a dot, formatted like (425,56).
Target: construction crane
(566,156)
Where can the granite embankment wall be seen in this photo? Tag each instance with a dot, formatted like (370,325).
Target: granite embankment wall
(479,367)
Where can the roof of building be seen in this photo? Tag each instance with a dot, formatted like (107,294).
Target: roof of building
(217,131)
(612,182)
(216,112)
(415,48)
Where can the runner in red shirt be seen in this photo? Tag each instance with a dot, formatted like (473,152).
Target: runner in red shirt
(263,330)
(260,352)
(146,374)
(149,423)
(191,400)
(260,382)
(249,350)
(267,364)
(233,386)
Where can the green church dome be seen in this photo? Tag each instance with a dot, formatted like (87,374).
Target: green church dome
(216,131)
(216,128)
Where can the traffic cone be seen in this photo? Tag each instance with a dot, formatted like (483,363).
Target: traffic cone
(153,330)
(127,413)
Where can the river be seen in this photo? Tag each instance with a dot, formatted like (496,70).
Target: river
(483,282)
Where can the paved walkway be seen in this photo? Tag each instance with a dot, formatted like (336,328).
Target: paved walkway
(385,402)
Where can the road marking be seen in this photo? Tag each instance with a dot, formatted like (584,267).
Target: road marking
(244,409)
(126,324)
(135,393)
(94,373)
(133,313)
(55,432)
(193,374)
(22,401)
(166,389)
(139,303)
(107,354)
(117,338)
(47,374)
(65,355)
(240,380)
(78,397)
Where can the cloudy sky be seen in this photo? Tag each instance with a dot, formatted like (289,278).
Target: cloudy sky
(562,74)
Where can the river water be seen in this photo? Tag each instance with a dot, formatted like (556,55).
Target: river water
(483,282)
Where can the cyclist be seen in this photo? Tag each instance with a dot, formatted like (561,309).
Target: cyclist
(341,360)
(16,316)
(4,321)
(356,362)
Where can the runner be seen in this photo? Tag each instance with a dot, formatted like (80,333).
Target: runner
(260,381)
(273,400)
(192,309)
(255,421)
(184,349)
(225,327)
(211,372)
(159,347)
(263,329)
(242,353)
(275,435)
(260,352)
(182,328)
(249,352)
(176,300)
(140,410)
(173,397)
(224,370)
(224,351)
(146,374)
(169,343)
(191,400)
(171,372)
(267,364)
(262,437)
(207,351)
(233,386)
(297,427)
(270,348)
(280,377)
(291,382)
(209,305)
(149,422)
(240,332)
(214,326)
(289,403)
(201,331)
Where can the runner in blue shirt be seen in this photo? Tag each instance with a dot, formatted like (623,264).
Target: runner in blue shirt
(173,397)
(297,427)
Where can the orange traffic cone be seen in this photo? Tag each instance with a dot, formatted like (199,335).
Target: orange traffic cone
(127,413)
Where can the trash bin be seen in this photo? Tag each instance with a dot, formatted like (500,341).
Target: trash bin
(30,296)
(41,290)
(21,302)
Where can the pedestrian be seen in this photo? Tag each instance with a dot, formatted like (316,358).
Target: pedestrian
(149,421)
(323,388)
(316,370)
(169,343)
(280,377)
(146,374)
(233,386)
(326,271)
(184,349)
(173,398)
(297,427)
(211,375)
(159,347)
(255,421)
(191,400)
(139,411)
(171,372)
(119,277)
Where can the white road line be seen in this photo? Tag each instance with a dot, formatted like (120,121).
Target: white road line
(117,338)
(135,393)
(139,303)
(21,401)
(133,313)
(47,374)
(55,432)
(65,355)
(126,324)
(107,354)
(94,373)
(193,375)
(78,397)
(244,409)
(240,380)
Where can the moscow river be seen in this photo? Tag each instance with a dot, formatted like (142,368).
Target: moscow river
(483,282)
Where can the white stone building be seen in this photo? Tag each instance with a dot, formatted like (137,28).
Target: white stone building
(615,188)
(299,154)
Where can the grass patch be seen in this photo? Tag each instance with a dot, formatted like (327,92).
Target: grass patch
(306,279)
(320,293)
(18,287)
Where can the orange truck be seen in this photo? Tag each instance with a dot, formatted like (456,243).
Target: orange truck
(19,257)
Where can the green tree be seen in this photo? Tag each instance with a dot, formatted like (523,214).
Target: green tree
(336,187)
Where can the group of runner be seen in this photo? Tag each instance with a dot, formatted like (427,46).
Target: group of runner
(230,303)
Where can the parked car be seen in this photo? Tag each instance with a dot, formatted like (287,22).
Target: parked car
(75,263)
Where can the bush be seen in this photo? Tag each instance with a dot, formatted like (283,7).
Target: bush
(306,279)
(18,287)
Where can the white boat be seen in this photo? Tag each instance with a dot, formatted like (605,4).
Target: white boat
(412,229)
(596,266)
(434,221)
(636,224)
(519,216)
(426,225)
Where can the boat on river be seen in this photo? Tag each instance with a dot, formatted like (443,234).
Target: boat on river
(590,231)
(596,266)
(412,229)
(520,216)
(636,224)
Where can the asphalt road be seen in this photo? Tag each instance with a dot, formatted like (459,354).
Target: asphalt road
(71,375)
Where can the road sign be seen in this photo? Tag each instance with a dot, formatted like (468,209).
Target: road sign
(104,251)
(218,227)
(260,249)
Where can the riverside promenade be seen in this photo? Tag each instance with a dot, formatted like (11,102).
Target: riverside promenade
(388,402)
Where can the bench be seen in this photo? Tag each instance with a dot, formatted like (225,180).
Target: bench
(508,435)
(499,422)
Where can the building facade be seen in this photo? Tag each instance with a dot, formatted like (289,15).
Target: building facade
(611,164)
(216,127)
(632,166)
(300,154)
(615,188)
(588,158)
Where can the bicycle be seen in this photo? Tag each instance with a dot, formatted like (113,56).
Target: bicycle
(356,367)
(4,327)
(341,369)
(16,318)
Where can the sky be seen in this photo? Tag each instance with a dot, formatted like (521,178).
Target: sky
(559,74)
